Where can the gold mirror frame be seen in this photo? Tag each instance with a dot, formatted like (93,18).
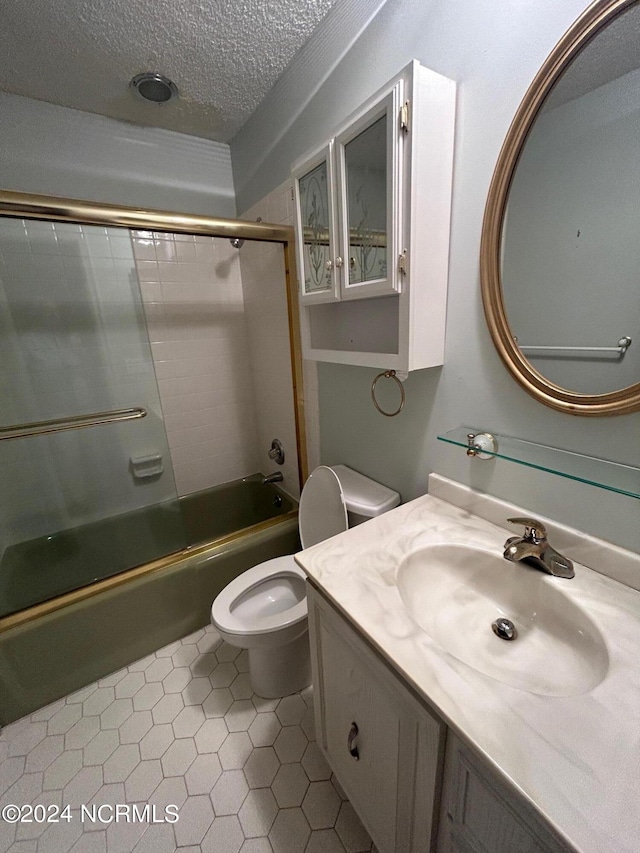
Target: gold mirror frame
(620,402)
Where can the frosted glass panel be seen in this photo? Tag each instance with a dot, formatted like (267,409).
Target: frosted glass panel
(85,503)
(314,207)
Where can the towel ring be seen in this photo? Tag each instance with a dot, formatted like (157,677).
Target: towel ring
(388,374)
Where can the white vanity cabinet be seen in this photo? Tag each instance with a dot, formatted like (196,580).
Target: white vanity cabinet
(373,208)
(387,749)
(383,745)
(480,815)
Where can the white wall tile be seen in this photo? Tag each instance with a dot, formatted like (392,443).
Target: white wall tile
(199,343)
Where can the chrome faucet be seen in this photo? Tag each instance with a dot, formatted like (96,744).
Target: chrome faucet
(273,478)
(533,548)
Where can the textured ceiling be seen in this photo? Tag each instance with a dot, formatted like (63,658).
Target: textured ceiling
(223,55)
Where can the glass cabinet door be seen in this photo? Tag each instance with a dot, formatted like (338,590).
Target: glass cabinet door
(317,257)
(367,154)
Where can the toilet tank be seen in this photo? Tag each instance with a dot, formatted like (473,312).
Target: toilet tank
(363,497)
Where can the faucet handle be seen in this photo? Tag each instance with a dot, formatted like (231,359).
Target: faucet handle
(534,530)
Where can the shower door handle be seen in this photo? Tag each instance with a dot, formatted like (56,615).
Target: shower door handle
(71,422)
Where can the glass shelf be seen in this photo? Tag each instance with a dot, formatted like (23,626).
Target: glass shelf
(613,476)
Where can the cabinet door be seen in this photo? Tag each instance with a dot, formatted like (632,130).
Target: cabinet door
(318,260)
(383,746)
(480,815)
(368,158)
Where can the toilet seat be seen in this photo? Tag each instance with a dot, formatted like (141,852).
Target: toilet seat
(264,610)
(229,617)
(254,608)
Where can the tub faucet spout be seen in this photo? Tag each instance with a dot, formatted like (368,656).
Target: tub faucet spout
(273,478)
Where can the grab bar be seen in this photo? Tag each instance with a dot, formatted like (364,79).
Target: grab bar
(623,345)
(72,422)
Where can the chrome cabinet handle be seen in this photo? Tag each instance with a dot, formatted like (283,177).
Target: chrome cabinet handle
(351,745)
(328,265)
(339,262)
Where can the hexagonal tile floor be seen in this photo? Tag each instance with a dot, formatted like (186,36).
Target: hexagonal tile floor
(179,732)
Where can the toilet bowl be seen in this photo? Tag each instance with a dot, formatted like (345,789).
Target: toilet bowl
(264,609)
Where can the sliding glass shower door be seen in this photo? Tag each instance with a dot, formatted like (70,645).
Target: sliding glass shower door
(87,484)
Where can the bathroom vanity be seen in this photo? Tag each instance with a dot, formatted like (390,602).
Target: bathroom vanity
(456,741)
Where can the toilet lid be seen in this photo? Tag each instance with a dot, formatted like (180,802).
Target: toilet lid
(322,512)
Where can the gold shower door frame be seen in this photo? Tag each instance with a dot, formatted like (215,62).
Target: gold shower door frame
(35,206)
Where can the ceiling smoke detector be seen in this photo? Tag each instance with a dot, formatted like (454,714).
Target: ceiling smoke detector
(154,88)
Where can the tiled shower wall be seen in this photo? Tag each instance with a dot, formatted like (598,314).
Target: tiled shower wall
(218,323)
(192,293)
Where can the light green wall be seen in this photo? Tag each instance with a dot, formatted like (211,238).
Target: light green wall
(385,447)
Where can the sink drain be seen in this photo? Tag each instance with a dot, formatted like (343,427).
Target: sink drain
(504,628)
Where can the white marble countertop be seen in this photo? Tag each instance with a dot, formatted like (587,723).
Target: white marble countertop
(576,758)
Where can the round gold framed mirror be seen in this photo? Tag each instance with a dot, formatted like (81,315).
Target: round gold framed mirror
(558,251)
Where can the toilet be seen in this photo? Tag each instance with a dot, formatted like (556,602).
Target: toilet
(264,609)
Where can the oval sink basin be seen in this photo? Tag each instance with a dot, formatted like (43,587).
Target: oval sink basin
(455,593)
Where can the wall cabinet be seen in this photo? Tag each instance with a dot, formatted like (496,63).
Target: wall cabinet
(383,745)
(387,749)
(373,209)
